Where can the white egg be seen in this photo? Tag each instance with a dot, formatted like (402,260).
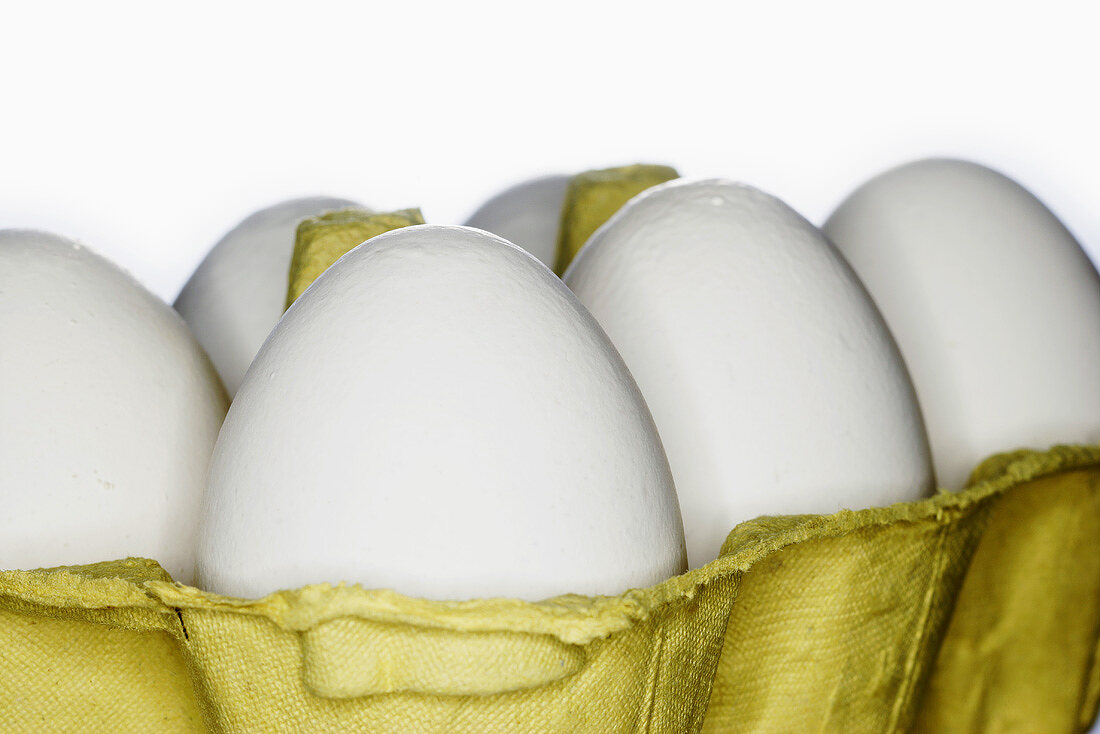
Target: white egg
(993,303)
(774,382)
(238,292)
(439,415)
(110,413)
(528,215)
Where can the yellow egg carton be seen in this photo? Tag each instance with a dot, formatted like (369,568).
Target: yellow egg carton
(976,611)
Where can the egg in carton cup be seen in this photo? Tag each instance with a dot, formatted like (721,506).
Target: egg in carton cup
(969,611)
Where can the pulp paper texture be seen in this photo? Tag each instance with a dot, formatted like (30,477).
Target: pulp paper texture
(593,197)
(969,612)
(324,239)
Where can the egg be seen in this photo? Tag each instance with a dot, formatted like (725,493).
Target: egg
(238,292)
(773,380)
(994,305)
(526,214)
(110,407)
(438,414)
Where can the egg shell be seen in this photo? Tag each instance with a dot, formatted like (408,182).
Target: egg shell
(993,303)
(110,407)
(527,215)
(438,414)
(238,291)
(772,378)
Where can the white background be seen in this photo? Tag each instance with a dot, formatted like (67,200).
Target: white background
(147,131)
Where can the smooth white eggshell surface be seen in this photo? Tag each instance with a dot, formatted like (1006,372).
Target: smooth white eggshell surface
(774,382)
(110,412)
(238,292)
(439,415)
(527,215)
(993,303)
